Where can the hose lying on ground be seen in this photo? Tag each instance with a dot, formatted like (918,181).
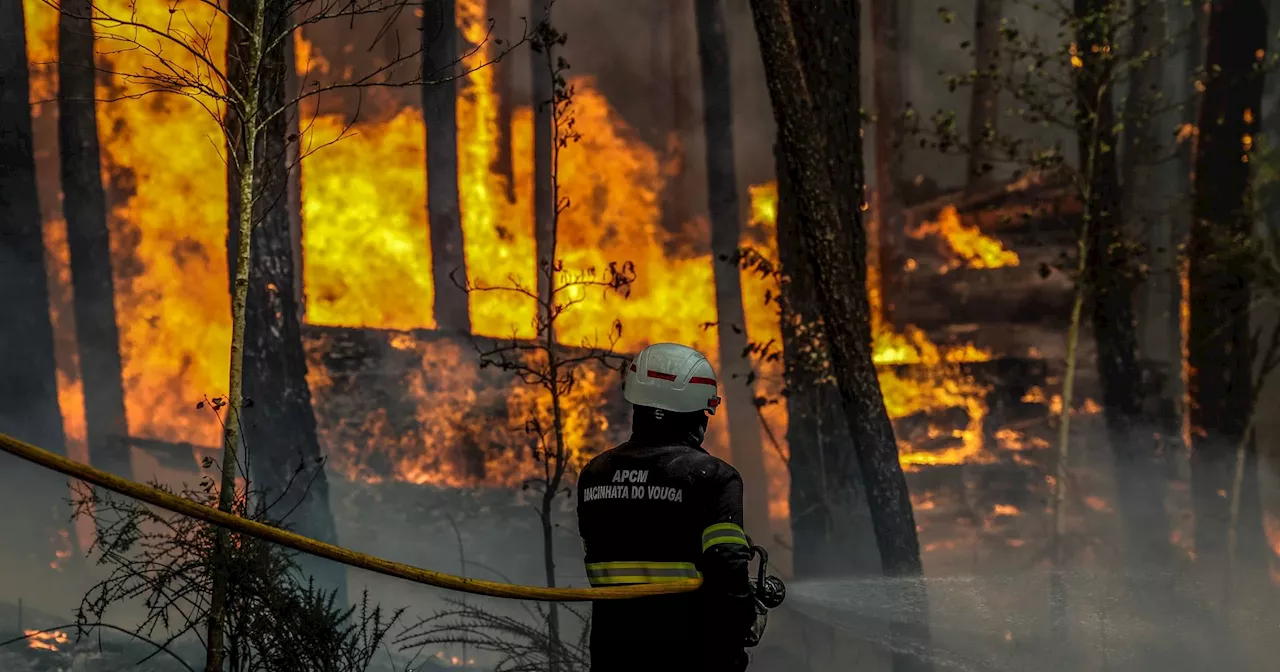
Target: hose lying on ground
(345,556)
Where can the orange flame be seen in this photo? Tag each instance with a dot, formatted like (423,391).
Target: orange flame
(968,244)
(368,264)
(45,641)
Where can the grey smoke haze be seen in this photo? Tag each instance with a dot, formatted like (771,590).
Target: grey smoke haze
(619,42)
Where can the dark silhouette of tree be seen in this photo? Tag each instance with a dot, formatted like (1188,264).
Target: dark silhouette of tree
(984,103)
(544,204)
(805,73)
(28,370)
(84,207)
(736,374)
(889,102)
(831,532)
(444,217)
(1220,344)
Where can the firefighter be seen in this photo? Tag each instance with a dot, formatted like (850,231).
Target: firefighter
(658,508)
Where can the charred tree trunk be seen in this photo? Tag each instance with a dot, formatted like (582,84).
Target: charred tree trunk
(504,89)
(812,78)
(831,531)
(1156,215)
(544,205)
(1195,42)
(678,207)
(984,112)
(890,223)
(85,210)
(29,392)
(440,111)
(282,447)
(1150,220)
(1219,345)
(1110,278)
(292,89)
(736,374)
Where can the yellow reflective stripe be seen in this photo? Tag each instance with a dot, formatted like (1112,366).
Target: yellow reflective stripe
(614,573)
(649,565)
(723,533)
(616,580)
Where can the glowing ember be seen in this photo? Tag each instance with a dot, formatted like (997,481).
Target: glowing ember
(970,247)
(45,641)
(61,549)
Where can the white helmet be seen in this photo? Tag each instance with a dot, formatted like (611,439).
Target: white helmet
(671,377)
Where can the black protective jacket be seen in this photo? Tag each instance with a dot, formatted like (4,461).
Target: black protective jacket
(660,507)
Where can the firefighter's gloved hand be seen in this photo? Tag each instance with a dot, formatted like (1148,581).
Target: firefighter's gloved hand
(757,626)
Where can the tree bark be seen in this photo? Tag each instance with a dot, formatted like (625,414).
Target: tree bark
(544,205)
(440,111)
(1195,42)
(678,199)
(831,530)
(806,125)
(1110,278)
(29,392)
(1219,345)
(1157,216)
(736,373)
(984,111)
(283,447)
(85,209)
(887,81)
(292,89)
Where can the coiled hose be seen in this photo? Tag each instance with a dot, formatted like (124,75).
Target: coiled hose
(186,507)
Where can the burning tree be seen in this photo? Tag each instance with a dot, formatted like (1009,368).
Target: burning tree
(245,93)
(552,370)
(1070,88)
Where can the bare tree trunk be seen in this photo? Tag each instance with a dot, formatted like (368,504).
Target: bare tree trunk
(1061,478)
(1221,356)
(440,111)
(1195,43)
(736,373)
(282,445)
(984,110)
(245,45)
(1111,280)
(809,128)
(678,206)
(831,530)
(544,205)
(292,89)
(85,210)
(28,368)
(1144,215)
(889,104)
(504,89)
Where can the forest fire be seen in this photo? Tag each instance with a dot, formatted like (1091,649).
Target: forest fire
(365,232)
(967,244)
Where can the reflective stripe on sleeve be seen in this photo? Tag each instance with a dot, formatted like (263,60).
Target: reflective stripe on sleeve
(723,533)
(615,573)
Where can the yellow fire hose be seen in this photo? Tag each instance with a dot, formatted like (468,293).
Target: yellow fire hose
(345,556)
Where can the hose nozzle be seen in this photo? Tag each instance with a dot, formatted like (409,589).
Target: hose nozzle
(769,590)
